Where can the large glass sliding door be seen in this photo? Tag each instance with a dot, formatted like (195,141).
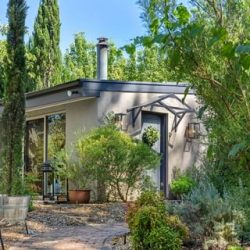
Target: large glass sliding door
(45,137)
(34,152)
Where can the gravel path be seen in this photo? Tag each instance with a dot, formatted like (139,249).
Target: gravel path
(89,237)
(68,226)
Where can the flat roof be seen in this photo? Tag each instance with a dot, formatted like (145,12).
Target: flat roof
(96,86)
(93,88)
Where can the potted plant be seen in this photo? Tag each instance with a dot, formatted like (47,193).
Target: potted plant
(78,177)
(181,186)
(76,173)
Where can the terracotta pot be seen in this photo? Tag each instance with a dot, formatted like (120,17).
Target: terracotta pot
(79,196)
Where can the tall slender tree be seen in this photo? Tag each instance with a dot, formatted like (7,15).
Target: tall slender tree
(14,100)
(44,45)
(2,65)
(3,32)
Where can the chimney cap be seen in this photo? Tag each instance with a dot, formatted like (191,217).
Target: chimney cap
(102,41)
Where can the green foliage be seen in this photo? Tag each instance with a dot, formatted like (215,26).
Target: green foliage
(150,231)
(79,59)
(148,198)
(178,226)
(69,167)
(115,159)
(45,55)
(224,235)
(29,184)
(151,65)
(150,136)
(139,64)
(14,100)
(235,248)
(239,199)
(116,63)
(147,184)
(204,210)
(206,44)
(3,53)
(164,238)
(152,227)
(181,185)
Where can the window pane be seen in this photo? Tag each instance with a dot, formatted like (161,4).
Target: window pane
(55,134)
(56,143)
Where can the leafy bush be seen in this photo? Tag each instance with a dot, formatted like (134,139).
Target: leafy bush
(224,235)
(115,159)
(150,231)
(175,223)
(235,194)
(164,237)
(182,185)
(235,248)
(204,210)
(152,227)
(149,198)
(239,199)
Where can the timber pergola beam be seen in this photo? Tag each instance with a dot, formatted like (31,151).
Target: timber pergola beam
(178,112)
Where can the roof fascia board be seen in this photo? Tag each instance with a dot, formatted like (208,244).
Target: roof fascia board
(92,88)
(95,87)
(30,109)
(55,89)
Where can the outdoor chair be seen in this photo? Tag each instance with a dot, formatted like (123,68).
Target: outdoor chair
(13,211)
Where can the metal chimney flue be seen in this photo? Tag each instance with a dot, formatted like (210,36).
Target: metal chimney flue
(102,58)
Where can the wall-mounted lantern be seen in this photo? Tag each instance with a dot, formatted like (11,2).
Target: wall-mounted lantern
(192,131)
(119,120)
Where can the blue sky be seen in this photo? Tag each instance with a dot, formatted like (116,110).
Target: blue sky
(116,19)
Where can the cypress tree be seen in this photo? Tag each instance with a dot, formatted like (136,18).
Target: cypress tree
(44,45)
(3,32)
(14,100)
(2,66)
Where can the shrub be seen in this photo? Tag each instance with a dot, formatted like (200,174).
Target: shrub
(175,223)
(144,221)
(150,231)
(239,199)
(204,209)
(235,248)
(115,159)
(182,185)
(234,194)
(149,198)
(223,236)
(152,227)
(164,237)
